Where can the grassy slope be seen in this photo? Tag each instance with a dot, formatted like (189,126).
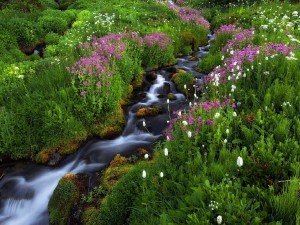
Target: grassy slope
(39,108)
(259,123)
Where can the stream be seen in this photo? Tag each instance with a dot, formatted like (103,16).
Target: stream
(25,188)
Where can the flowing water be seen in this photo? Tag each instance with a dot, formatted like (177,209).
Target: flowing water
(25,188)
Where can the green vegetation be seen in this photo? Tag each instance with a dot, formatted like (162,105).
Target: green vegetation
(46,108)
(234,157)
(64,198)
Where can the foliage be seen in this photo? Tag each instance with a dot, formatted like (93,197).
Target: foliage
(63,199)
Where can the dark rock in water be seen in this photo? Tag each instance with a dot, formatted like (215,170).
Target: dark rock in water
(146,85)
(171,69)
(161,96)
(54,159)
(166,88)
(147,128)
(151,76)
(142,94)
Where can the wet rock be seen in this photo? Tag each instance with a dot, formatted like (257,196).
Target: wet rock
(171,97)
(142,95)
(54,159)
(171,69)
(111,132)
(151,76)
(148,111)
(180,70)
(193,58)
(166,88)
(146,85)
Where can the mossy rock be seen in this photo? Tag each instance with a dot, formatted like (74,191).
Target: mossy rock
(171,97)
(141,152)
(118,161)
(185,80)
(148,111)
(151,76)
(111,132)
(193,58)
(112,174)
(181,71)
(89,216)
(64,197)
(52,156)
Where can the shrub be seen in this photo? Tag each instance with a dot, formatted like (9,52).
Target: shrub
(184,83)
(52,38)
(53,24)
(25,32)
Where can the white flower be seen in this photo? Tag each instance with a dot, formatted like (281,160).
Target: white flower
(219,219)
(295,13)
(239,161)
(231,52)
(217,115)
(144,174)
(166,151)
(227,131)
(179,113)
(144,123)
(222,58)
(264,27)
(161,174)
(233,87)
(185,123)
(285,17)
(234,114)
(184,86)
(146,156)
(225,140)
(189,133)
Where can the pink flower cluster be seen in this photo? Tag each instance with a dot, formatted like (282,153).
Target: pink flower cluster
(93,71)
(157,38)
(227,29)
(193,122)
(232,68)
(190,15)
(238,38)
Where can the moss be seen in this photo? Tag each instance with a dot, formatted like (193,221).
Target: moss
(171,97)
(185,80)
(63,149)
(118,161)
(112,174)
(111,126)
(89,216)
(151,111)
(116,207)
(63,199)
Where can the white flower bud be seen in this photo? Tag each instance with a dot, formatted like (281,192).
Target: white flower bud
(239,161)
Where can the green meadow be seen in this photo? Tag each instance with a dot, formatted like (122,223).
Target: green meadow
(232,158)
